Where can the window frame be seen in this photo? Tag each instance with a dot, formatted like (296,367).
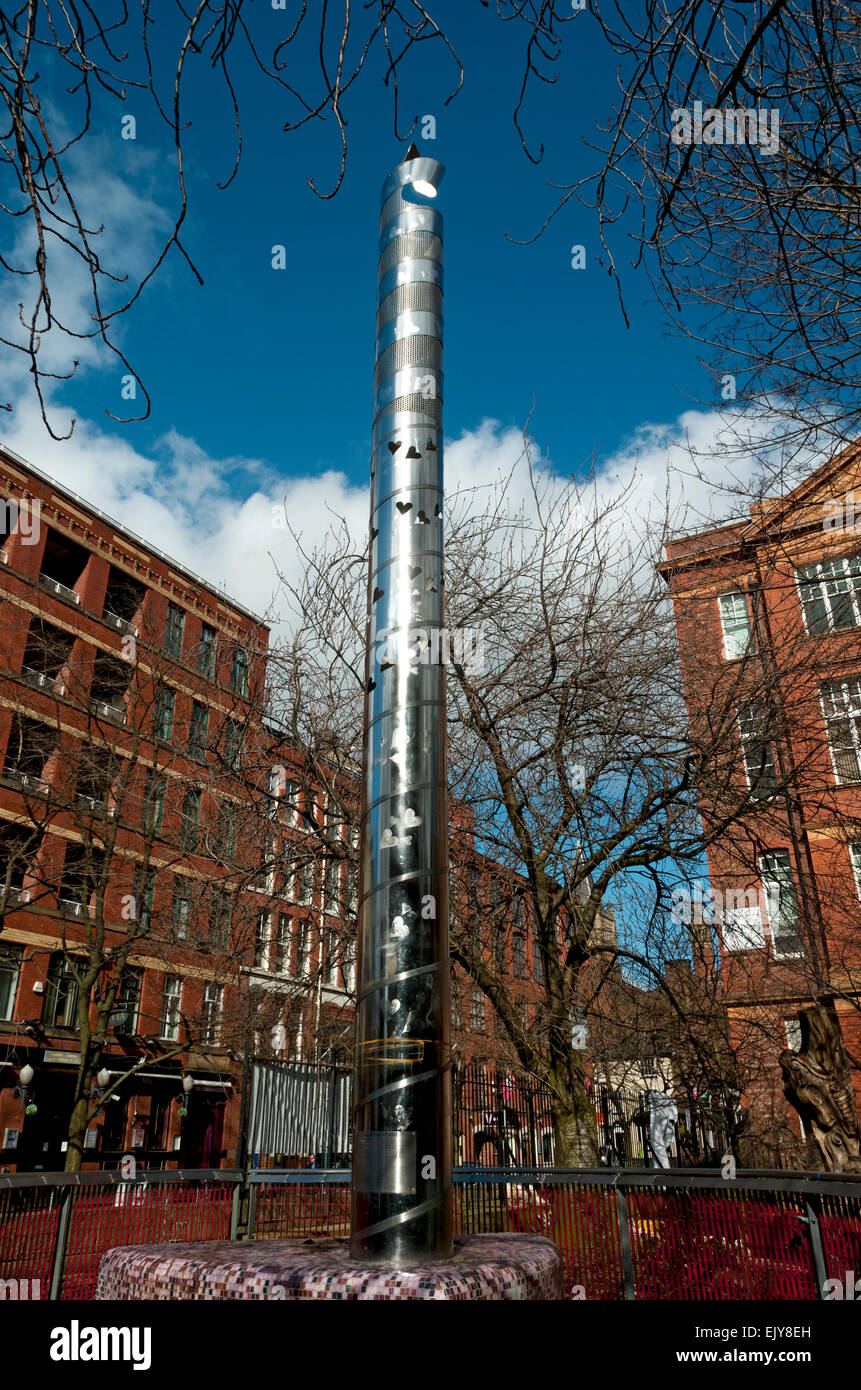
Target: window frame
(240,669)
(206,649)
(823,598)
(211,1007)
(767,877)
(850,715)
(169,998)
(198,725)
(164,712)
(174,630)
(189,827)
(759,786)
(11,957)
(730,628)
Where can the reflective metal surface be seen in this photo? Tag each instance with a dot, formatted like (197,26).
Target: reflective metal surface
(402,1142)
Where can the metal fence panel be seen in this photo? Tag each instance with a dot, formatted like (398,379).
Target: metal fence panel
(299,1111)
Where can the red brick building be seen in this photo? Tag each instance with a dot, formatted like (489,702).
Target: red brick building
(148,828)
(768,612)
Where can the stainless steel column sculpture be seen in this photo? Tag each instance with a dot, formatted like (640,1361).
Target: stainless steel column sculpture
(402,1139)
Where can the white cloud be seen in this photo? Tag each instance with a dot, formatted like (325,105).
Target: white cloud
(184,501)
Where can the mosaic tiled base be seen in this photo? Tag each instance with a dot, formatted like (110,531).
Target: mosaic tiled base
(482,1268)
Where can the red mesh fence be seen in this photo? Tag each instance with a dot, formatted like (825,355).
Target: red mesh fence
(130,1215)
(29,1218)
(686,1242)
(720,1244)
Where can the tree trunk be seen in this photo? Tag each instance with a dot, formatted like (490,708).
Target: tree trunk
(77,1130)
(817,1081)
(575,1134)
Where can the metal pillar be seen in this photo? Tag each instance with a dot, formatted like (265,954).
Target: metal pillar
(402,1140)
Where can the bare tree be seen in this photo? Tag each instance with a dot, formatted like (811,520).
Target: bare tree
(119,64)
(574,763)
(729,165)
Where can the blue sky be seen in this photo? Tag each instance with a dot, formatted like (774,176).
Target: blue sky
(261,380)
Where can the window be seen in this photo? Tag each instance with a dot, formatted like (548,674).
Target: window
(538,962)
(518,910)
(456,1009)
(197,729)
(329,954)
(332,896)
(735,624)
(127,1001)
(83,876)
(171,1007)
(477,1017)
(518,954)
(349,966)
(181,908)
(155,795)
(310,813)
(190,818)
(211,1014)
(232,743)
(742,928)
(219,918)
(855,857)
(264,879)
(225,836)
(144,894)
(303,889)
(173,630)
(841,705)
(757,751)
(282,944)
(352,891)
(472,885)
(206,651)
(61,993)
(783,914)
(831,594)
(10,969)
(499,948)
(303,943)
(291,802)
(163,715)
(261,941)
(239,671)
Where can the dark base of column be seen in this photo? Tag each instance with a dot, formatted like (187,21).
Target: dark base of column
(486,1267)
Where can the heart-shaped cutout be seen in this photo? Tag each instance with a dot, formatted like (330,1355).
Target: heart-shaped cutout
(410,818)
(413,453)
(378,593)
(388,840)
(437,511)
(422,519)
(431,447)
(430,587)
(413,570)
(375,531)
(393,447)
(404,507)
(372,684)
